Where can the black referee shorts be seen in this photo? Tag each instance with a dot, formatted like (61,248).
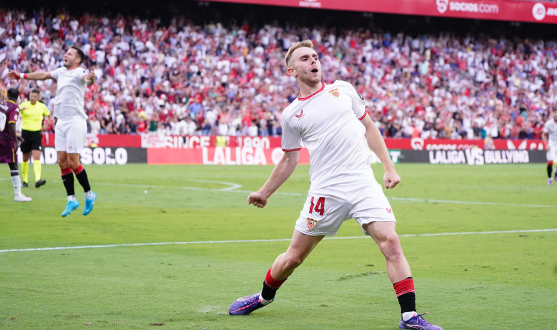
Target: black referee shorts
(33,141)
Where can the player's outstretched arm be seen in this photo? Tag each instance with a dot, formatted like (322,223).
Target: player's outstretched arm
(377,144)
(29,76)
(281,173)
(544,140)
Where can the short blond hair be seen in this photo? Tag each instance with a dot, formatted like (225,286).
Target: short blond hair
(299,44)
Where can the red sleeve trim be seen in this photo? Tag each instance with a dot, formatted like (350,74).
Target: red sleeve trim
(312,95)
(362,117)
(290,150)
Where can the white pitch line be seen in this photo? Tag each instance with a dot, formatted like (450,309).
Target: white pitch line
(235,185)
(227,189)
(270,240)
(233,189)
(232,185)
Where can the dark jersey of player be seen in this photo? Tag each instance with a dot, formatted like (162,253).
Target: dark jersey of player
(9,112)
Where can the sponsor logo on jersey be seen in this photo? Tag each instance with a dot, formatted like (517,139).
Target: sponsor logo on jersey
(335,93)
(311,223)
(389,210)
(299,116)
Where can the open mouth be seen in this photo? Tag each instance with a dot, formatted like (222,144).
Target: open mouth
(314,70)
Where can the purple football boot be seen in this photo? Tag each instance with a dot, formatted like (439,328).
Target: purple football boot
(418,322)
(246,305)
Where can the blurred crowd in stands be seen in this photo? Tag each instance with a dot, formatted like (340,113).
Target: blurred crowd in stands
(185,79)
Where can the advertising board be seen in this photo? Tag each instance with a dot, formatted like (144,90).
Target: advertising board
(505,10)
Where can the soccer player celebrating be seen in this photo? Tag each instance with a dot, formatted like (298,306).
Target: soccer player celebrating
(32,114)
(328,120)
(71,127)
(550,130)
(9,112)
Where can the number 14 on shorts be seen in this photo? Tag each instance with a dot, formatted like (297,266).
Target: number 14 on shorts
(319,207)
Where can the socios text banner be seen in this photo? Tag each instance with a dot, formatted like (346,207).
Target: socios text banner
(505,10)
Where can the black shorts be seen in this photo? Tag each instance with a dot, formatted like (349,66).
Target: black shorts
(33,141)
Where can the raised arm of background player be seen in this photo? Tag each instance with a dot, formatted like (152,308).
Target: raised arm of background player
(282,171)
(88,78)
(376,143)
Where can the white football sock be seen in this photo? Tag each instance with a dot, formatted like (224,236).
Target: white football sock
(89,194)
(16,182)
(264,301)
(408,315)
(71,198)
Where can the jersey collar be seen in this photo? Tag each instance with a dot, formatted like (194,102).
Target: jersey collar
(11,101)
(312,95)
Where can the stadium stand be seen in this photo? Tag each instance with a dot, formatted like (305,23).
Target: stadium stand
(182,78)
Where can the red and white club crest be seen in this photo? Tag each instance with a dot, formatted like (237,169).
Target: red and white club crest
(335,92)
(442,5)
(311,223)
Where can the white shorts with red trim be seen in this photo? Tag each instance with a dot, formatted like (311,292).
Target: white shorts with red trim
(327,208)
(70,135)
(552,154)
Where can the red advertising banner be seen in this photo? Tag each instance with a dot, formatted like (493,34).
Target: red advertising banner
(518,145)
(104,140)
(188,142)
(273,142)
(219,156)
(194,141)
(505,10)
(432,144)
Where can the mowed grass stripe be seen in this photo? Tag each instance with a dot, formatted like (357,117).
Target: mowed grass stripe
(233,188)
(269,240)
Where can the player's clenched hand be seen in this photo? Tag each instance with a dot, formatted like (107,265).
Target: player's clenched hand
(257,199)
(91,77)
(13,75)
(391,179)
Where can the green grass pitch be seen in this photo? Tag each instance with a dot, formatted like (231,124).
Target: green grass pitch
(489,281)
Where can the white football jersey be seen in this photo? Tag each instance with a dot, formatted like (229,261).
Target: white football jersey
(70,96)
(550,128)
(328,125)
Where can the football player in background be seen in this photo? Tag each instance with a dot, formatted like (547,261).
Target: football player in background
(9,113)
(549,138)
(71,127)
